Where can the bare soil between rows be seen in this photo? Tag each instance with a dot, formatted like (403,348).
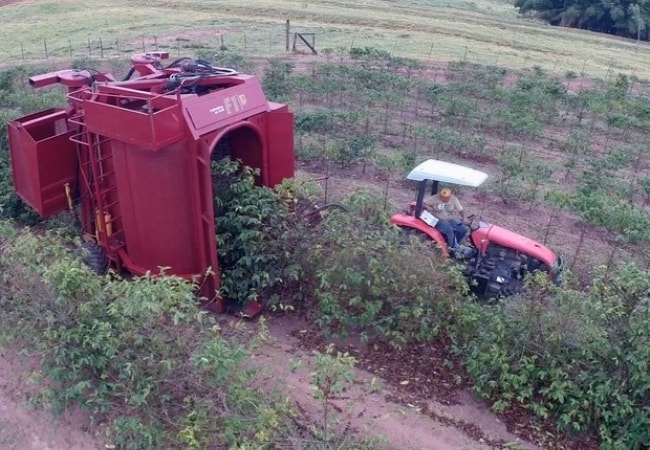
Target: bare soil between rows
(417,401)
(426,384)
(26,427)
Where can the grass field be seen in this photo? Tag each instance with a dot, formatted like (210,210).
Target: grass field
(482,31)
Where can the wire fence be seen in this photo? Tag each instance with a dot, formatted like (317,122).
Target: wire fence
(277,41)
(109,47)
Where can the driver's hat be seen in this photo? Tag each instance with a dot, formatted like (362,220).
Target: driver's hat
(445,194)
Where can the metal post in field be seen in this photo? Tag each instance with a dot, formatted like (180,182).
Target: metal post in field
(22,51)
(45,45)
(70,48)
(90,51)
(287,32)
(101,48)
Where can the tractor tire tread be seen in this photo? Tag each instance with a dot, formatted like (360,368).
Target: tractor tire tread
(95,258)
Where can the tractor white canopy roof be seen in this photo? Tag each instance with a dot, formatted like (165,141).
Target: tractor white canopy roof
(447,172)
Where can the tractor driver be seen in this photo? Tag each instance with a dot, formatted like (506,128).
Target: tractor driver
(443,205)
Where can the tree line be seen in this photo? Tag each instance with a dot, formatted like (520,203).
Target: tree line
(627,18)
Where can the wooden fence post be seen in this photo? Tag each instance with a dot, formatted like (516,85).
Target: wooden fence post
(287,30)
(45,45)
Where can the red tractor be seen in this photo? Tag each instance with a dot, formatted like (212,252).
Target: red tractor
(496,259)
(133,158)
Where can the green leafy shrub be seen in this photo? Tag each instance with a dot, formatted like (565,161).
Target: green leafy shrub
(250,223)
(316,121)
(139,355)
(333,372)
(369,281)
(277,81)
(371,53)
(145,361)
(579,358)
(263,234)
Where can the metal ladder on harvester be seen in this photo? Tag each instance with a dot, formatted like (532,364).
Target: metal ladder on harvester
(97,172)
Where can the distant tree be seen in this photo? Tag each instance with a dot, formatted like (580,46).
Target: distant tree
(620,17)
(550,11)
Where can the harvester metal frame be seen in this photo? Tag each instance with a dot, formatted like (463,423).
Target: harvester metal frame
(134,158)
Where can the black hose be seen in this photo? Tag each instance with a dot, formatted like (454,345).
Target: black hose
(200,67)
(176,62)
(192,71)
(128,75)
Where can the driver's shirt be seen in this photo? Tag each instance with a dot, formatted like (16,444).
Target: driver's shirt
(444,210)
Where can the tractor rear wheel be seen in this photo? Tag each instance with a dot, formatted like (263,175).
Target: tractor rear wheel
(94,257)
(418,239)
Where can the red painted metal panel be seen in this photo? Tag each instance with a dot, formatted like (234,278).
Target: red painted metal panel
(151,131)
(56,167)
(43,159)
(498,235)
(72,78)
(23,164)
(247,144)
(412,223)
(224,107)
(156,199)
(201,176)
(280,146)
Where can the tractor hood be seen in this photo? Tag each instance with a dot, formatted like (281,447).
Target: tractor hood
(488,233)
(447,172)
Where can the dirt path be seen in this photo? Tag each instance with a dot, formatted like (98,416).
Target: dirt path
(26,428)
(363,411)
(22,428)
(370,412)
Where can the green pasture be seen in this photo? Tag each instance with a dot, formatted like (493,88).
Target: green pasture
(482,31)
